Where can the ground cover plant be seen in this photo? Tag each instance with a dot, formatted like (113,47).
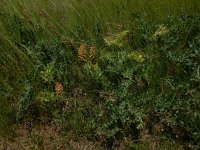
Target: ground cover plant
(100,74)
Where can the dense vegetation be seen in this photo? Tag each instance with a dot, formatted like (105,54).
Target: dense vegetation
(109,71)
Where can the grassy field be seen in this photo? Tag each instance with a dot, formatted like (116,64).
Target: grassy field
(110,74)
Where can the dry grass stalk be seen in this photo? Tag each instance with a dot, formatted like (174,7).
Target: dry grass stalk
(58,88)
(82,52)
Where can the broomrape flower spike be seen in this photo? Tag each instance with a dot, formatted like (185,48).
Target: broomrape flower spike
(82,53)
(58,88)
(92,53)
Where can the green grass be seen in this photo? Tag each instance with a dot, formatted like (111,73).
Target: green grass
(149,78)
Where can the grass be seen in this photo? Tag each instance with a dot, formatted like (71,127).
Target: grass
(143,76)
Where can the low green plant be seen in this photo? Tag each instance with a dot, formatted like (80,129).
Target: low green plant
(144,75)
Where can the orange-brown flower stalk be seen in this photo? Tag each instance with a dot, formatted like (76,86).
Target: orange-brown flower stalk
(58,88)
(82,52)
(92,53)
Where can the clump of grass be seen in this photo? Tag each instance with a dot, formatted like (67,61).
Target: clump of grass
(142,67)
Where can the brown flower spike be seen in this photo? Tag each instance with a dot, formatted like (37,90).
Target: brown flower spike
(82,52)
(58,88)
(92,53)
